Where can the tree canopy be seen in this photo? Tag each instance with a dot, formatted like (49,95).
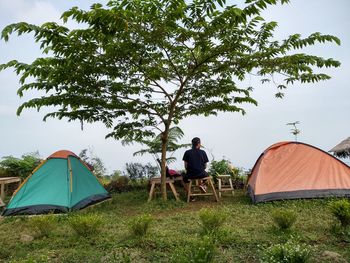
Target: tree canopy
(142,66)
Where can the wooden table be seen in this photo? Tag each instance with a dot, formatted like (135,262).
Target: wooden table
(169,181)
(225,184)
(3,182)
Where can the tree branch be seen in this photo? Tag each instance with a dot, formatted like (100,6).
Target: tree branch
(146,108)
(173,65)
(152,80)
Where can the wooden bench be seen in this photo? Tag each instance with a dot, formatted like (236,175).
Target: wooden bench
(193,187)
(156,181)
(3,182)
(225,184)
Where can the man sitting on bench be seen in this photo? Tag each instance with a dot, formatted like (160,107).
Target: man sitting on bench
(195,164)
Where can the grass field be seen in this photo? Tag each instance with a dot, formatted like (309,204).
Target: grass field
(174,231)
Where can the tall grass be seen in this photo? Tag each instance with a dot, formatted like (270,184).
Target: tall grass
(86,225)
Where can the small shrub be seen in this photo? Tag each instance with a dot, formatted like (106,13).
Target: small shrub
(5,252)
(224,237)
(86,225)
(212,220)
(239,182)
(201,251)
(238,175)
(290,252)
(119,184)
(22,167)
(139,225)
(220,167)
(283,218)
(341,210)
(42,226)
(343,233)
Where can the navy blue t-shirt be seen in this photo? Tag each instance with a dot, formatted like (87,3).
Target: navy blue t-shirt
(196,160)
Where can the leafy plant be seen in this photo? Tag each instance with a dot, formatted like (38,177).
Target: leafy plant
(42,225)
(139,225)
(290,252)
(212,220)
(119,184)
(295,131)
(283,218)
(341,210)
(21,167)
(86,225)
(222,167)
(94,162)
(200,251)
(147,65)
(5,252)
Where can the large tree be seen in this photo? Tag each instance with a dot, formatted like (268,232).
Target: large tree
(140,66)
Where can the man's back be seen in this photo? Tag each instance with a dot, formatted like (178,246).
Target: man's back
(196,160)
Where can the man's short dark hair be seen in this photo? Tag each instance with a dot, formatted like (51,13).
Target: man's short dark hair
(196,141)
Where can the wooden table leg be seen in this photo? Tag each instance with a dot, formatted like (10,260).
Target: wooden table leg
(151,192)
(231,184)
(174,191)
(3,191)
(214,191)
(189,191)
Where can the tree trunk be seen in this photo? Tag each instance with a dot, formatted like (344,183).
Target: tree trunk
(163,163)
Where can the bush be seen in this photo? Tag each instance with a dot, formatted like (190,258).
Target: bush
(121,184)
(224,166)
(220,167)
(341,210)
(343,233)
(284,219)
(201,251)
(22,167)
(290,252)
(5,252)
(94,162)
(86,225)
(212,220)
(139,225)
(42,226)
(118,185)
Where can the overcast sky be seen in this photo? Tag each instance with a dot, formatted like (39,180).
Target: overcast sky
(322,108)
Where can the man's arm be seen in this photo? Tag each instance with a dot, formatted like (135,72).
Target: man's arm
(206,160)
(185,159)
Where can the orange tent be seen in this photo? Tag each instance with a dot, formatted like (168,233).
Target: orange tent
(290,170)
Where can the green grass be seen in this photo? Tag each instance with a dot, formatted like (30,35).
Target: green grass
(176,226)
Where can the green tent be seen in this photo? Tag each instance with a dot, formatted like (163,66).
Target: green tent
(61,183)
